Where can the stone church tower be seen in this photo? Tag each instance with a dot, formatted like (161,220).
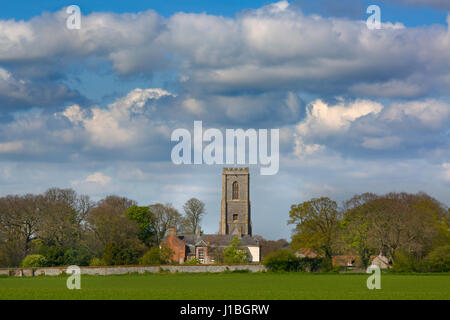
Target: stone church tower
(235,207)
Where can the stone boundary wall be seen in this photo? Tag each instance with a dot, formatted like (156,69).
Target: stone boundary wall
(104,271)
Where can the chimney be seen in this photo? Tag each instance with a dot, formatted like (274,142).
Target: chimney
(172,232)
(198,231)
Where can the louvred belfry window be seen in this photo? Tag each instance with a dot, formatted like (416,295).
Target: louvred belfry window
(235,195)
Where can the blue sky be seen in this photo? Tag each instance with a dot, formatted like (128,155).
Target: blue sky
(392,11)
(358,110)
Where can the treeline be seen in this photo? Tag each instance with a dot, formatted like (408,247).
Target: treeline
(412,230)
(60,227)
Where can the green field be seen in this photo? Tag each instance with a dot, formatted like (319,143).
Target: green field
(230,286)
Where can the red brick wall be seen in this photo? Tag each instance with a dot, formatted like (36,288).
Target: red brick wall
(177,246)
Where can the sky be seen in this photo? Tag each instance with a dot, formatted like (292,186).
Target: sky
(358,110)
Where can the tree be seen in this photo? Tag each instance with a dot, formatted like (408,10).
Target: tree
(409,223)
(32,223)
(281,260)
(403,226)
(109,221)
(126,252)
(20,223)
(145,221)
(194,209)
(165,216)
(317,225)
(438,260)
(234,254)
(268,246)
(34,261)
(157,255)
(60,225)
(356,226)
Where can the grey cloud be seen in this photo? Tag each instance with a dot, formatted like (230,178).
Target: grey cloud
(17,93)
(276,47)
(127,40)
(283,49)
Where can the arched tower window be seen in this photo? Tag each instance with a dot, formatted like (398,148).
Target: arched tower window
(235,194)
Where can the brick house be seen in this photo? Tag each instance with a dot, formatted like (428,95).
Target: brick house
(207,247)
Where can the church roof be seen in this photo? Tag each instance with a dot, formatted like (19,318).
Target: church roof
(217,240)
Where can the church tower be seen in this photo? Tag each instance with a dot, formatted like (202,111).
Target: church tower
(235,206)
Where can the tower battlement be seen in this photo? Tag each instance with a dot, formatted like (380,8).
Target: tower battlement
(236,170)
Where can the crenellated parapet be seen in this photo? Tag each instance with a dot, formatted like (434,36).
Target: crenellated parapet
(243,170)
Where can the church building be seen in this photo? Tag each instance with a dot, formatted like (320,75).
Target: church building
(235,221)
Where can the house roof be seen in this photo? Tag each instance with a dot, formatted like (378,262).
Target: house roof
(306,252)
(217,240)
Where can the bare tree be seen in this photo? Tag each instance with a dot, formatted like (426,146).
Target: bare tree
(165,216)
(109,222)
(194,209)
(20,222)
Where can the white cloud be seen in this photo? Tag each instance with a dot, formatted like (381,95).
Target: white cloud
(302,149)
(99,178)
(96,183)
(122,123)
(322,119)
(74,113)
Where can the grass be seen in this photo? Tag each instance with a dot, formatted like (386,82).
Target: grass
(258,286)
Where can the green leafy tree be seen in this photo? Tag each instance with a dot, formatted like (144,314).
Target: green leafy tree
(438,260)
(123,253)
(34,261)
(145,221)
(157,255)
(96,262)
(356,226)
(60,256)
(317,226)
(281,260)
(234,253)
(192,261)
